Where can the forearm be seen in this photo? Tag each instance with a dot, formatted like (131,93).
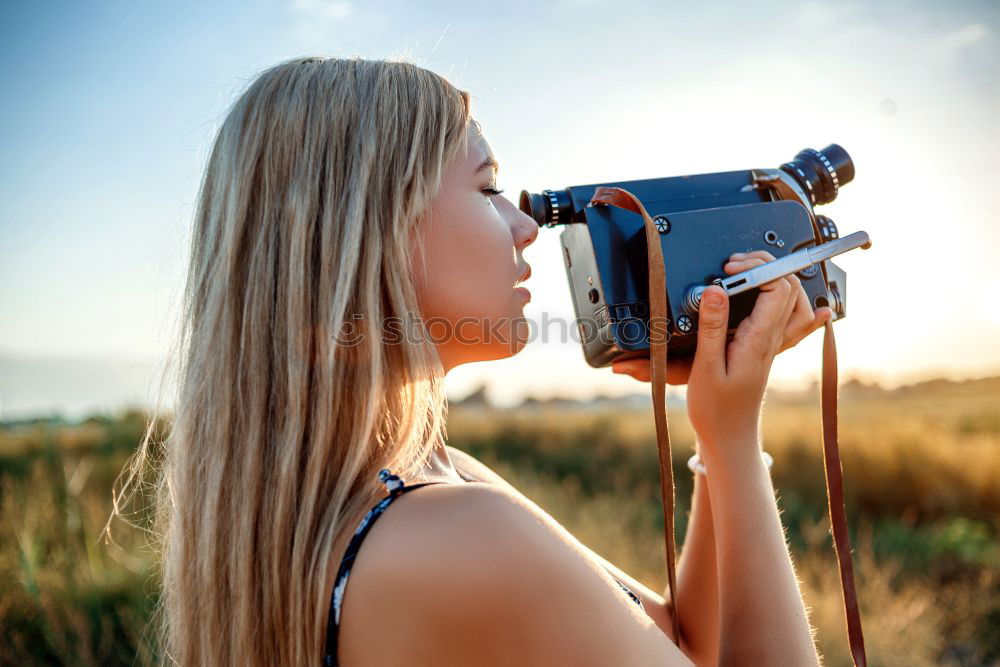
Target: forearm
(762,615)
(697,581)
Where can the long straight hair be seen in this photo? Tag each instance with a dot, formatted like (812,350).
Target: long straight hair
(303,230)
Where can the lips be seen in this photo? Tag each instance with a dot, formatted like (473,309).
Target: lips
(524,276)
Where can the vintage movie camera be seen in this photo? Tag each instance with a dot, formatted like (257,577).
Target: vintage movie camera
(701,219)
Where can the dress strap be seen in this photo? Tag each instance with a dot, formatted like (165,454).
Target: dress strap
(395,486)
(392,482)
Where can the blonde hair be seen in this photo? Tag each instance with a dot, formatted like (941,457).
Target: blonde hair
(316,180)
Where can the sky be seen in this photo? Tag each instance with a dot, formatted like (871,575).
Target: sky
(109,109)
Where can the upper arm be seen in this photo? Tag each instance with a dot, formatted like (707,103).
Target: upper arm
(477,577)
(653,603)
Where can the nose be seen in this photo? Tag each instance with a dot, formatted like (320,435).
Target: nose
(523,226)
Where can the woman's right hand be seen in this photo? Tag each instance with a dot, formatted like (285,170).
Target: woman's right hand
(727,382)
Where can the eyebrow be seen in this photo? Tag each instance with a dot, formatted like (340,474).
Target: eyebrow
(490,161)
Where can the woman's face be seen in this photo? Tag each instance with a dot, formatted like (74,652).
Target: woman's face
(468,272)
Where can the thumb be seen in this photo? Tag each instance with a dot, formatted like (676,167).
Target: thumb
(713,325)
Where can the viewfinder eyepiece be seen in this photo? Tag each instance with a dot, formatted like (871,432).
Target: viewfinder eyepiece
(552,207)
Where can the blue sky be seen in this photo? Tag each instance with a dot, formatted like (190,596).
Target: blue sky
(109,108)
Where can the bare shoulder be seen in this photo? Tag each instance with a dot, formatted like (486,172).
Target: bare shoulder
(654,604)
(470,574)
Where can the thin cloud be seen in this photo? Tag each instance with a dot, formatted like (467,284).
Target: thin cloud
(964,36)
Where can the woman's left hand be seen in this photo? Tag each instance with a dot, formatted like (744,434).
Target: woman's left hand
(802,322)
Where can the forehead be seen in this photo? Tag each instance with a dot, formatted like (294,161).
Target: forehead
(479,148)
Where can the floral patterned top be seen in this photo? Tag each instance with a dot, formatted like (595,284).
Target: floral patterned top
(396,487)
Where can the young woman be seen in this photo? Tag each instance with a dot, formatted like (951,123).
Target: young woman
(349,249)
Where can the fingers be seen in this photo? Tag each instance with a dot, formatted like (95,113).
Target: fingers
(803,320)
(815,321)
(678,369)
(637,368)
(782,316)
(757,254)
(713,325)
(802,315)
(793,297)
(753,260)
(764,328)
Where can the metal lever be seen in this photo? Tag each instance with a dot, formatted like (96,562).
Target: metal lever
(779,268)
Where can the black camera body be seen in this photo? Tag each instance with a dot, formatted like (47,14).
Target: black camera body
(701,219)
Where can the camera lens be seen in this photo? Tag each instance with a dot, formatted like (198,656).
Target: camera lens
(549,208)
(821,173)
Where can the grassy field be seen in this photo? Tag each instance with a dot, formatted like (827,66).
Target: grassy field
(921,465)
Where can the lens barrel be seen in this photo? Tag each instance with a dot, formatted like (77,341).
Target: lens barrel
(821,173)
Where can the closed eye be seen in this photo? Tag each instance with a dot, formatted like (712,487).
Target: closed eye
(492,191)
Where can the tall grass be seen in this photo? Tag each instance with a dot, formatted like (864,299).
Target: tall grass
(922,471)
(66,597)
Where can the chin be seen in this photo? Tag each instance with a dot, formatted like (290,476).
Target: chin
(514,339)
(490,342)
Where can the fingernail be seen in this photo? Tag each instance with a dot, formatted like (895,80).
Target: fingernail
(713,299)
(737,254)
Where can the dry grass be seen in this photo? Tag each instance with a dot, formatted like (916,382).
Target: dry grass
(922,471)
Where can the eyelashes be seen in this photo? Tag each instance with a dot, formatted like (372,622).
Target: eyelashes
(492,191)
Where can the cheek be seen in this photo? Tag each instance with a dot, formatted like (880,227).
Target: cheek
(470,261)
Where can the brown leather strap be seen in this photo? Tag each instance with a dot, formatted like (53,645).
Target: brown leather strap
(658,336)
(835,496)
(658,366)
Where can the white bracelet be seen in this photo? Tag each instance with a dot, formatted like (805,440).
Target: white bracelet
(695,464)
